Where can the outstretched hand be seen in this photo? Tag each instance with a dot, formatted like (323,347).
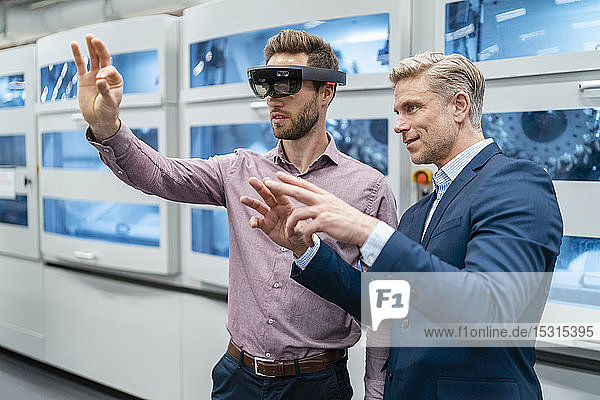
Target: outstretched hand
(275,212)
(329,213)
(99,90)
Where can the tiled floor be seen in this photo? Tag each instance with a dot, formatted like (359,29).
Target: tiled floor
(21,379)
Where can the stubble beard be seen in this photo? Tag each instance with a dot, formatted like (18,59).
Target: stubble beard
(301,123)
(433,154)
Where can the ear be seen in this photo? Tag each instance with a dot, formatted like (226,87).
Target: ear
(461,104)
(326,93)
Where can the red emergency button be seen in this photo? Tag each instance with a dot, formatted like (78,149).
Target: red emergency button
(422,177)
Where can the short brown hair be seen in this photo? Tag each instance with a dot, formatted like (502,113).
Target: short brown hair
(292,41)
(446,75)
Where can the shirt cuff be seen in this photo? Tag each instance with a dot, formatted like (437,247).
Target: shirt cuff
(305,259)
(376,241)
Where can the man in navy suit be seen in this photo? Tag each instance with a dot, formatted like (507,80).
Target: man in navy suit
(488,214)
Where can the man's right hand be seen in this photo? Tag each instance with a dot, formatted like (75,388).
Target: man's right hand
(99,90)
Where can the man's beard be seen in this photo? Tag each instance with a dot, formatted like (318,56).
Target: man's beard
(301,123)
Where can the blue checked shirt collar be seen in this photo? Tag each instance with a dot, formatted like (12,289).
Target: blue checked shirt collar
(444,177)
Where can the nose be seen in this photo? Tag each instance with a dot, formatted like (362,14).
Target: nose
(401,126)
(272,103)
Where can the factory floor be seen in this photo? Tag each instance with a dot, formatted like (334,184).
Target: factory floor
(24,379)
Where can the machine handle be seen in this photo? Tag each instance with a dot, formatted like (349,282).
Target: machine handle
(259,105)
(586,85)
(84,255)
(590,280)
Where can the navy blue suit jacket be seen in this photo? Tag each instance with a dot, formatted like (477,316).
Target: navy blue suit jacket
(498,215)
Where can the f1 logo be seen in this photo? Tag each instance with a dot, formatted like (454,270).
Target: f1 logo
(389,299)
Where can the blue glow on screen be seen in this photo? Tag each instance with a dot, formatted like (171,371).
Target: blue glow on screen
(577,273)
(71,150)
(12,91)
(565,142)
(13,151)
(363,139)
(14,211)
(139,70)
(490,30)
(210,232)
(361,44)
(135,224)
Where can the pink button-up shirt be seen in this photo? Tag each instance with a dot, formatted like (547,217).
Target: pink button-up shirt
(269,315)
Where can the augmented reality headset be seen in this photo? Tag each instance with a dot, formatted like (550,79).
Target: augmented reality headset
(283,80)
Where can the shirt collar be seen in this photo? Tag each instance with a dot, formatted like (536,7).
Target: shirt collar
(331,152)
(454,167)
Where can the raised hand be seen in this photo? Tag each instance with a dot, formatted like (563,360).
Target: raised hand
(329,214)
(275,211)
(99,90)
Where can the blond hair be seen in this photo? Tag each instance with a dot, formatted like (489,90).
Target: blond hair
(446,75)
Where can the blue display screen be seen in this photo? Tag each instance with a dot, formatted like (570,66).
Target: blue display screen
(133,224)
(12,91)
(577,273)
(490,29)
(71,150)
(13,151)
(565,142)
(139,70)
(207,141)
(361,44)
(14,211)
(210,232)
(364,139)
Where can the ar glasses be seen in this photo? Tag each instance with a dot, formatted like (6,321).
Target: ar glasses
(283,80)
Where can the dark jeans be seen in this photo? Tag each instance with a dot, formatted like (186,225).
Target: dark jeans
(232,380)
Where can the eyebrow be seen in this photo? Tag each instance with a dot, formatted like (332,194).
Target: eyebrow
(410,102)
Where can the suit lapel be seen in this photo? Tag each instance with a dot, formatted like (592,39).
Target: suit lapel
(415,231)
(413,220)
(465,176)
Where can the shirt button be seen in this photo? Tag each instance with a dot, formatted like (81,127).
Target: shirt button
(276,285)
(282,248)
(270,321)
(106,150)
(405,323)
(267,354)
(120,172)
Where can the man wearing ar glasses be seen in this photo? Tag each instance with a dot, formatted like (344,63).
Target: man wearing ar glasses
(286,342)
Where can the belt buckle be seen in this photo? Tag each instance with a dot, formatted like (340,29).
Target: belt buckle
(256,359)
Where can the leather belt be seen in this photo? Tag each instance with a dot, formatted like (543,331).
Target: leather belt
(272,368)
